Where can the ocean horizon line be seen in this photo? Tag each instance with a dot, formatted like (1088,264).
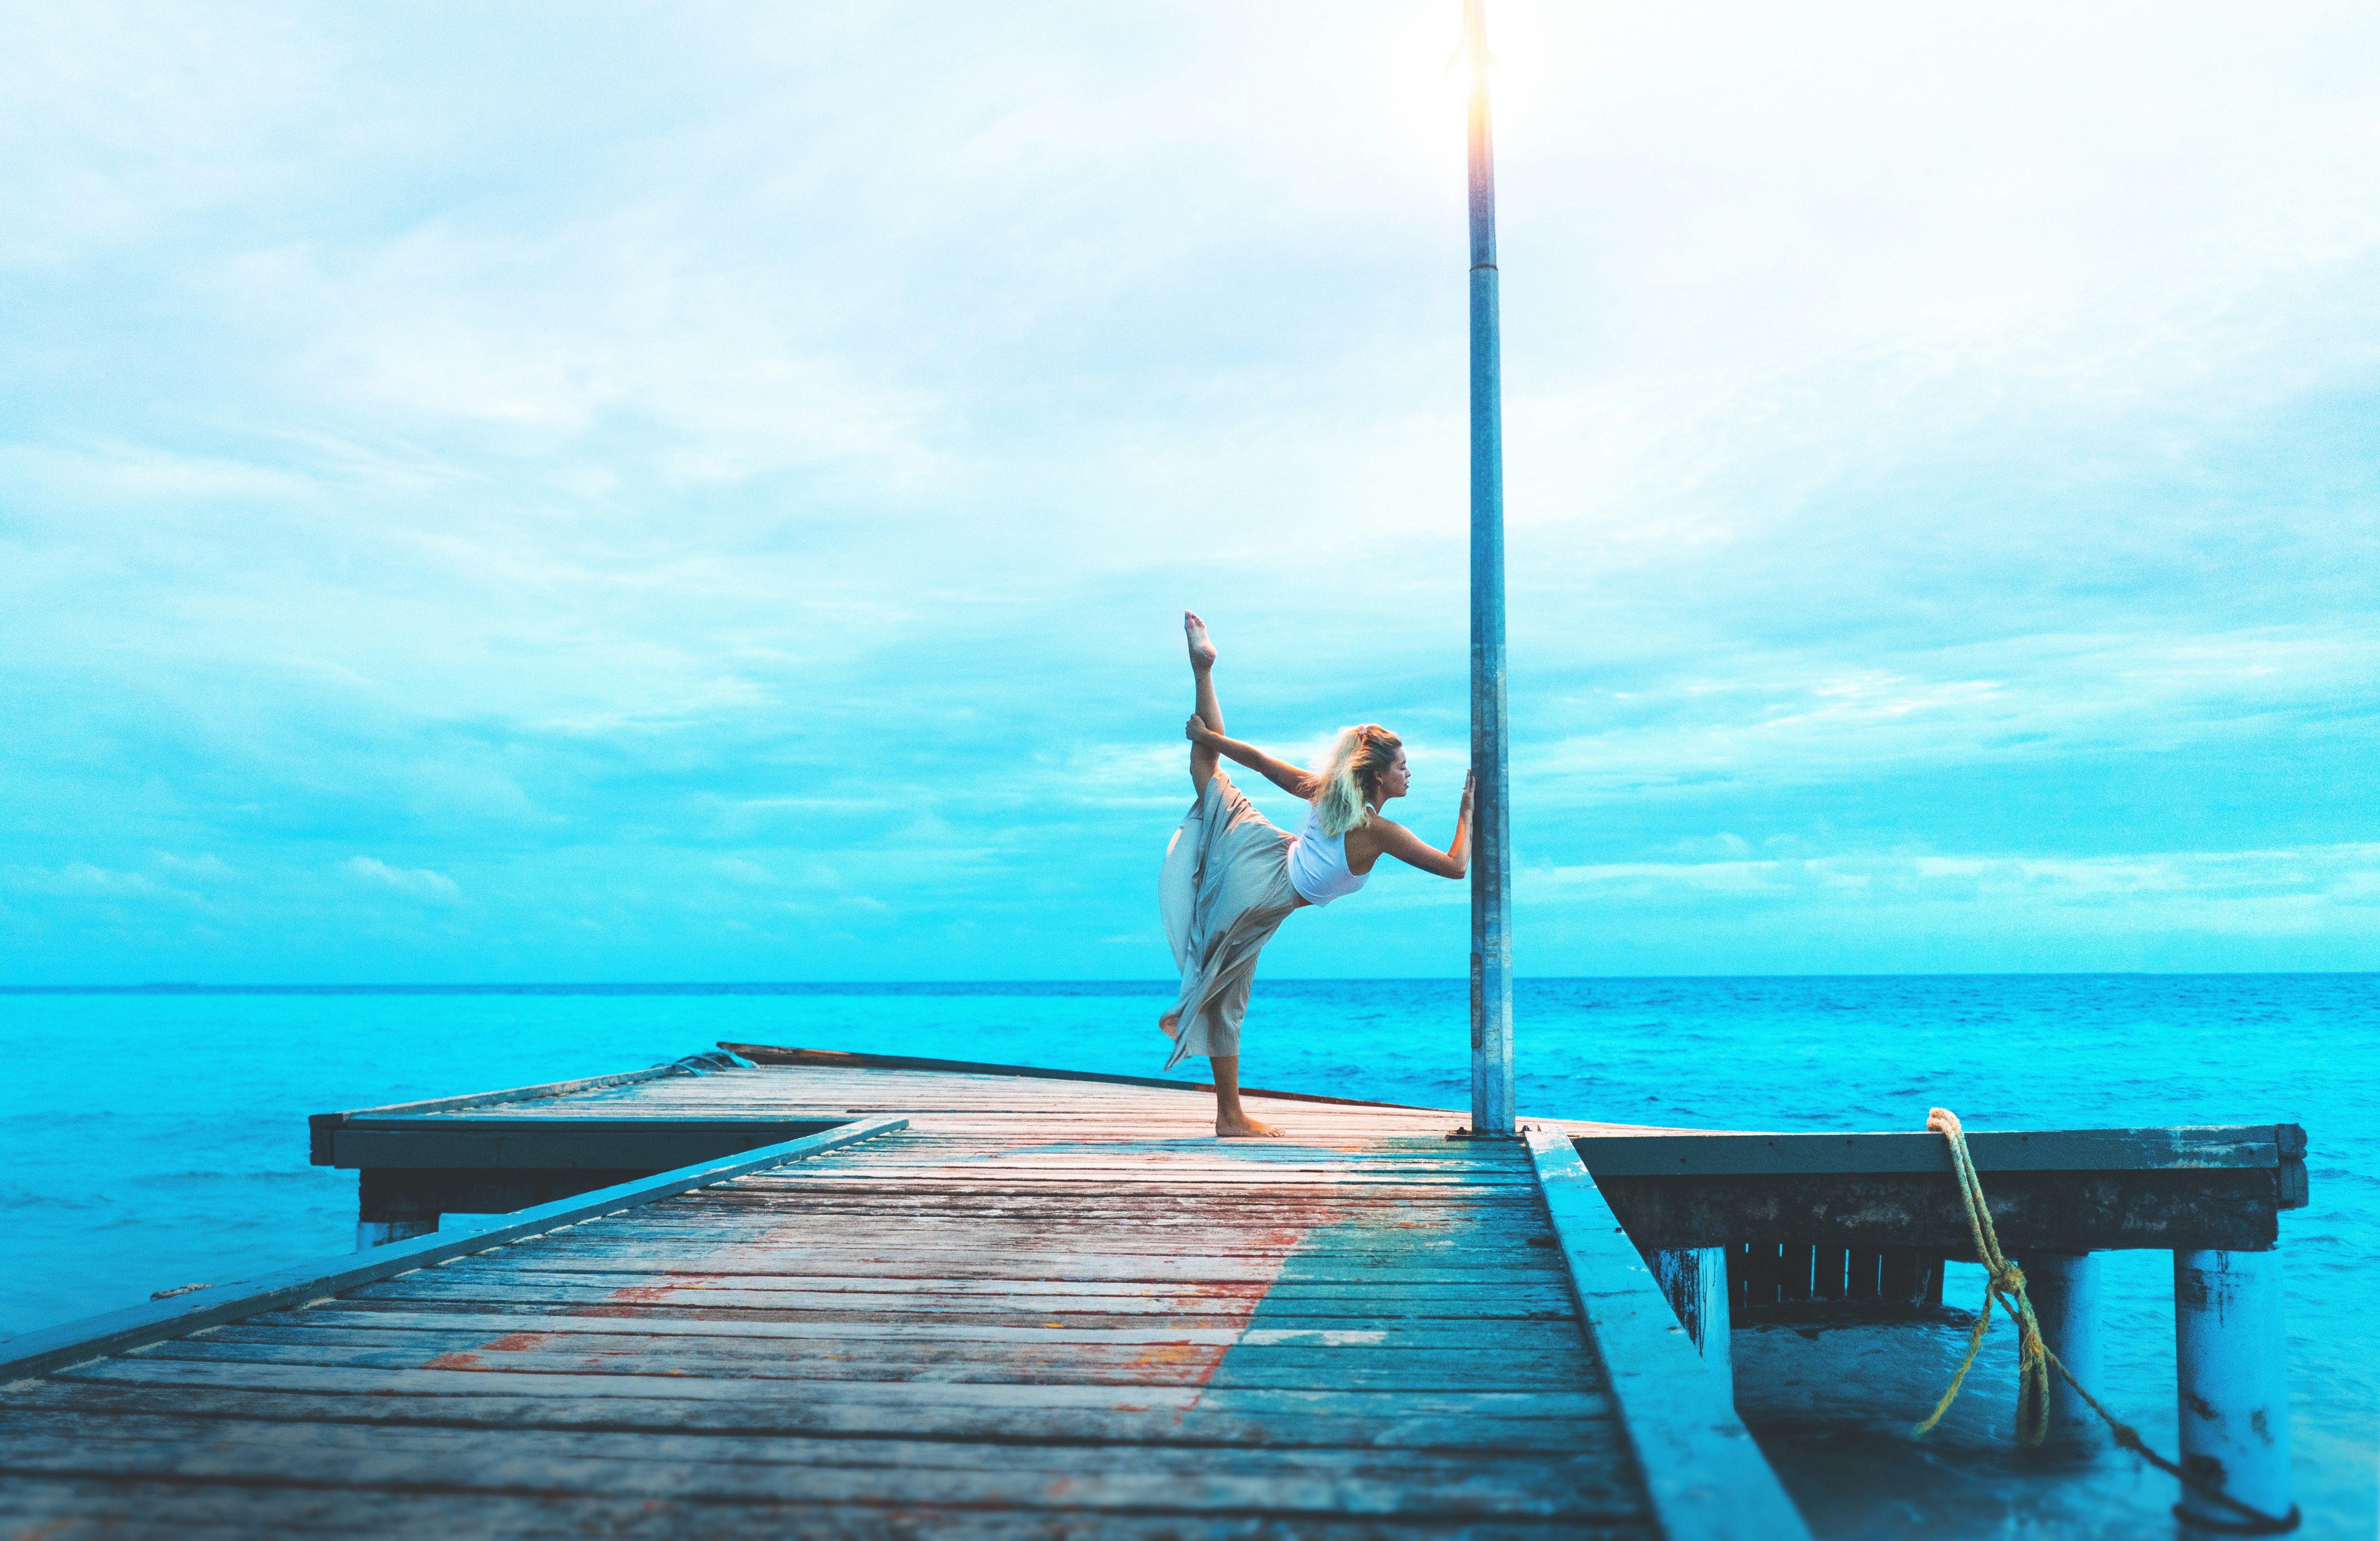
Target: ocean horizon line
(1087,987)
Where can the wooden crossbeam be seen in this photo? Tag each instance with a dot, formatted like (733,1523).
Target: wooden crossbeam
(555,1142)
(321,1127)
(1730,1155)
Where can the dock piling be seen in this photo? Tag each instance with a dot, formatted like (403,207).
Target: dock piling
(1694,1279)
(2231,1362)
(2064,1289)
(372,1234)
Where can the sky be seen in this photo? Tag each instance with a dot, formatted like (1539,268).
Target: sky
(706,492)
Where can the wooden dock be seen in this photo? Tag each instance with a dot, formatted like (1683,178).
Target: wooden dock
(875,1300)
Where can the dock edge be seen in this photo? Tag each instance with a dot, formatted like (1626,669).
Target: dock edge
(1707,1478)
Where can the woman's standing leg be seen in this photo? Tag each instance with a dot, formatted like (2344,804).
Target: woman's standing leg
(1232,1121)
(1202,671)
(1225,1011)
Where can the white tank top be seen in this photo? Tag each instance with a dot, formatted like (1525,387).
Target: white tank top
(1318,864)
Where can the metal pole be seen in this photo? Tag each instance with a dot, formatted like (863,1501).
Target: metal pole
(2232,1361)
(1491,849)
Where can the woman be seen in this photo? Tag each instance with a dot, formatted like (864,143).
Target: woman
(1231,877)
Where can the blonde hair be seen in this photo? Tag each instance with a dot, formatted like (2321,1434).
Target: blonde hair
(1351,777)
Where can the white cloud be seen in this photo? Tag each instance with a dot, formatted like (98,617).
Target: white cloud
(418,881)
(1775,720)
(83,878)
(117,476)
(1722,845)
(2249,892)
(203,865)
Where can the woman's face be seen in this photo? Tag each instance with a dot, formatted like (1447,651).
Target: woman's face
(1396,778)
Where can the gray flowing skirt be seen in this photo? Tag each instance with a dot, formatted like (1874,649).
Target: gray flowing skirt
(1224,891)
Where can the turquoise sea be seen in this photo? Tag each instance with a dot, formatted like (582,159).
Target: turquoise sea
(155,1138)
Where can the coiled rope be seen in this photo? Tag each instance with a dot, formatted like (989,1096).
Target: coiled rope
(2004,1282)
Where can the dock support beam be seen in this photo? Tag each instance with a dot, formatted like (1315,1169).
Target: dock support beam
(2064,1289)
(1694,1279)
(2231,1359)
(372,1234)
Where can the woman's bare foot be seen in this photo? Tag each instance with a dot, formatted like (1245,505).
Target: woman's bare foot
(1202,653)
(1245,1128)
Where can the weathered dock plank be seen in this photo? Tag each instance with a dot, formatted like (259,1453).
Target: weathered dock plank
(644,1320)
(118,1510)
(118,1331)
(824,1470)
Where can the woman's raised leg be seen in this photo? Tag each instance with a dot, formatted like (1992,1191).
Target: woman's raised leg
(1202,671)
(1203,760)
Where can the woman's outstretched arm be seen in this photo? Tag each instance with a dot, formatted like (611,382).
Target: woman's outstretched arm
(1282,774)
(1397,841)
